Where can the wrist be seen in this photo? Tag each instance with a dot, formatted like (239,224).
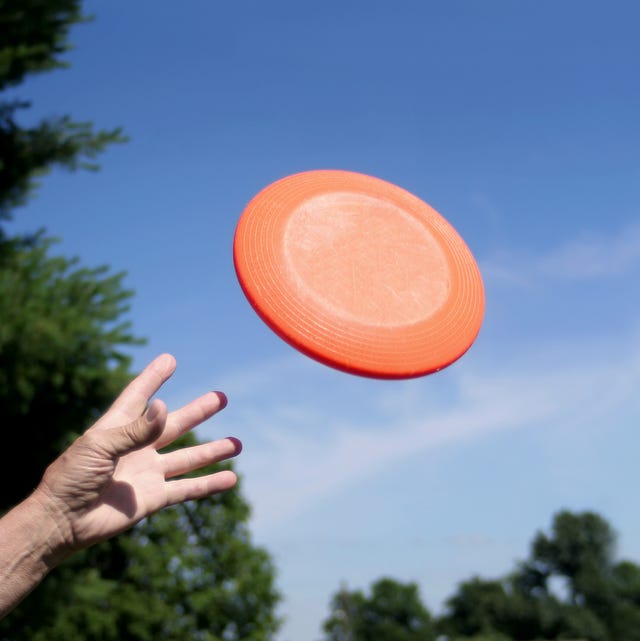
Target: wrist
(30,547)
(56,537)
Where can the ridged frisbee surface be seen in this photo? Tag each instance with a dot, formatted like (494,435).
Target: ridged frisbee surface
(359,274)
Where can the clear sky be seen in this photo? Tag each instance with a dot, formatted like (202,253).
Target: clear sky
(519,122)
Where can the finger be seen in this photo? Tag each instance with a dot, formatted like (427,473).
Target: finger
(189,459)
(198,488)
(134,398)
(187,417)
(118,441)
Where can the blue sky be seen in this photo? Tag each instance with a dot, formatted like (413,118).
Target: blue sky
(518,121)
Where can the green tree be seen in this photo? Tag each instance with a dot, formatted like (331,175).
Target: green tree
(570,587)
(580,549)
(62,359)
(624,617)
(62,333)
(485,636)
(477,607)
(392,611)
(33,39)
(481,607)
(188,572)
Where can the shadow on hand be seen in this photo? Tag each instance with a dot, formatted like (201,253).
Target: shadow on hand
(122,497)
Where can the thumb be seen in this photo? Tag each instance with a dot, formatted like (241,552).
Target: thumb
(119,441)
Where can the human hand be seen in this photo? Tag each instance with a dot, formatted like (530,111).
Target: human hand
(114,475)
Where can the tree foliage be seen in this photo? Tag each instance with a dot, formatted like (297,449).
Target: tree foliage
(190,572)
(393,611)
(62,358)
(570,587)
(62,333)
(33,39)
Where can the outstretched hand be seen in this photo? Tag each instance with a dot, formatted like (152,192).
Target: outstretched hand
(114,475)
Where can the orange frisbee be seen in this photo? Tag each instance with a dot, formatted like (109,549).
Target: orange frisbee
(359,274)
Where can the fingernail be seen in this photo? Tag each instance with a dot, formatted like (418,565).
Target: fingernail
(222,397)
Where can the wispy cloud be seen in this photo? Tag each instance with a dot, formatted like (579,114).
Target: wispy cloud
(305,455)
(587,257)
(592,256)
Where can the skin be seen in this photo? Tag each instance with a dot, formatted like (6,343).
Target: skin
(109,479)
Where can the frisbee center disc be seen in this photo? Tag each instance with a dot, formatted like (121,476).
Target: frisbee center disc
(365,259)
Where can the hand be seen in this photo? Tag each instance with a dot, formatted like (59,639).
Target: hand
(113,475)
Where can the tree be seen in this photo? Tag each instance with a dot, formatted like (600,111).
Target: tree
(569,587)
(580,549)
(62,333)
(393,611)
(624,617)
(34,39)
(598,599)
(62,359)
(477,607)
(189,572)
(580,552)
(488,608)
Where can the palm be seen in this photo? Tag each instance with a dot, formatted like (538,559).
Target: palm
(135,489)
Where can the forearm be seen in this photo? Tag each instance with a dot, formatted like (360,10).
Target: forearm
(29,549)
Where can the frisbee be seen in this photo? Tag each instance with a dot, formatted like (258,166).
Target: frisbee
(359,274)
